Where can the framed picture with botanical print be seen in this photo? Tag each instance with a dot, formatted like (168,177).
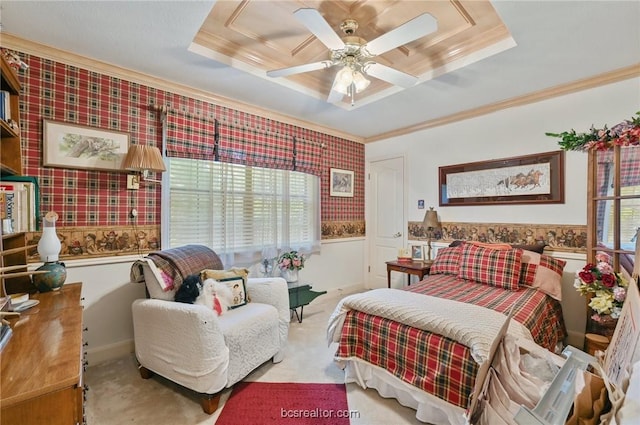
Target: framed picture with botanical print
(70,145)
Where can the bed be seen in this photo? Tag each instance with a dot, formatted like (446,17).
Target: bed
(423,344)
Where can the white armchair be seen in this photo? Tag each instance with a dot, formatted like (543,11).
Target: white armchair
(194,347)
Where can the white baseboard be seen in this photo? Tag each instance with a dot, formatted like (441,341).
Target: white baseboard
(110,352)
(347,289)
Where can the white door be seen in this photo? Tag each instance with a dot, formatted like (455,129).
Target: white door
(386,218)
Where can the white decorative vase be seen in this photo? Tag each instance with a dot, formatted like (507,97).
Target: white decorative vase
(290,275)
(49,244)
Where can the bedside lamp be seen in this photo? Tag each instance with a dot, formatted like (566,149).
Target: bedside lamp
(430,223)
(143,158)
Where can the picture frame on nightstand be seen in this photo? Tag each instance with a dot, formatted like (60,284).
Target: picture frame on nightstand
(417,252)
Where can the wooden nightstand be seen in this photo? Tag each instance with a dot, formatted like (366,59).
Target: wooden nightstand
(418,268)
(300,294)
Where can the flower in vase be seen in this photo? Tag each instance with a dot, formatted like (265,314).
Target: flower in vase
(607,289)
(291,260)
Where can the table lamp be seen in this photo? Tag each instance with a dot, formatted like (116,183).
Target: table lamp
(430,223)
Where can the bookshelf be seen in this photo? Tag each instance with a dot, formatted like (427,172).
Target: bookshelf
(14,276)
(10,151)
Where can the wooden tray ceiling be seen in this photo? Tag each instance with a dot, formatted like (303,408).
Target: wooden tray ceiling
(257,36)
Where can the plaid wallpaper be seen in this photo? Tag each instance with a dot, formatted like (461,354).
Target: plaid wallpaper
(56,91)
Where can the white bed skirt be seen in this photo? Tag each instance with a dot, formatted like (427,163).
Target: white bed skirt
(429,408)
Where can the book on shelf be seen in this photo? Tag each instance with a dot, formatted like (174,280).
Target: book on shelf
(10,206)
(5,105)
(29,200)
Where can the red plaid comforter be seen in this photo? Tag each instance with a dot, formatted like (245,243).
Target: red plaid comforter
(436,364)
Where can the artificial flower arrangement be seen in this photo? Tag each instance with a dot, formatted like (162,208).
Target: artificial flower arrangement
(626,133)
(291,260)
(609,288)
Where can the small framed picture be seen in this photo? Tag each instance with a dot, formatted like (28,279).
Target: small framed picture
(417,253)
(341,182)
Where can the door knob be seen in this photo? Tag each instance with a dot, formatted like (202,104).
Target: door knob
(397,235)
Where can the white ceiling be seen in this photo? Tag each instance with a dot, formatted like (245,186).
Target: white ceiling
(557,42)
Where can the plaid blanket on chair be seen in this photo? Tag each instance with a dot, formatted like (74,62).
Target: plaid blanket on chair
(182,261)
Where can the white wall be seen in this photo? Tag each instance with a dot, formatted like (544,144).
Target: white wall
(513,132)
(108,293)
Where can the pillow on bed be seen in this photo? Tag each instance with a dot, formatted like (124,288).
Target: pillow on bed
(447,261)
(542,272)
(491,245)
(494,267)
(539,248)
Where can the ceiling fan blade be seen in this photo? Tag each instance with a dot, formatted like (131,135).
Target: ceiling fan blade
(414,29)
(315,22)
(390,75)
(298,69)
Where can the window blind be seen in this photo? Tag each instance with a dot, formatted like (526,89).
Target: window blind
(239,210)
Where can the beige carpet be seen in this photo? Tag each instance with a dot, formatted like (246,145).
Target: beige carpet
(117,395)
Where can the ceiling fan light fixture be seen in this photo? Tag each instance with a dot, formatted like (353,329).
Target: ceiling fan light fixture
(345,76)
(359,81)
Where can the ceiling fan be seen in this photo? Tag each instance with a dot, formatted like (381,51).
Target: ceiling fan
(355,55)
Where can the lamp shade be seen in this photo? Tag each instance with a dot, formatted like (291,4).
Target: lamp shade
(430,219)
(143,157)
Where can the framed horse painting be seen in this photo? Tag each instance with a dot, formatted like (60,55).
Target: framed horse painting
(528,179)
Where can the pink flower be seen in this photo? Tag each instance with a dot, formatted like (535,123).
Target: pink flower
(619,294)
(604,267)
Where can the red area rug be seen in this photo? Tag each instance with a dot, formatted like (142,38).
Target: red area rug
(268,403)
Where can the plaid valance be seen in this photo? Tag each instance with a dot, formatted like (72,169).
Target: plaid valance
(189,136)
(240,142)
(247,146)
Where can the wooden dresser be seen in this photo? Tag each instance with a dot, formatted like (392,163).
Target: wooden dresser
(41,376)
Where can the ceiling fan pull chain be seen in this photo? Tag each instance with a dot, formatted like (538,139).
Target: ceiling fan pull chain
(352,90)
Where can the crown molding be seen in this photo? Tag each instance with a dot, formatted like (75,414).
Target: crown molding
(560,90)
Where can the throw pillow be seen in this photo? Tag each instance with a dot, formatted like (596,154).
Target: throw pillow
(493,267)
(542,272)
(237,289)
(447,261)
(224,274)
(489,245)
(539,248)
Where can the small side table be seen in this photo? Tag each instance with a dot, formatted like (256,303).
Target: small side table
(417,268)
(300,294)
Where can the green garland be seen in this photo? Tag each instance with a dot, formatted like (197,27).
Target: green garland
(626,133)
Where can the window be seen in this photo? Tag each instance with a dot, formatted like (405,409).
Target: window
(239,211)
(614,207)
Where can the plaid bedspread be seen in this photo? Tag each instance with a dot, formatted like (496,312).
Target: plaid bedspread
(182,261)
(436,364)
